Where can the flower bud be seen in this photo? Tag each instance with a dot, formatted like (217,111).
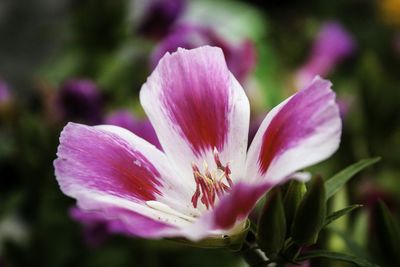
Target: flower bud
(271,230)
(310,214)
(291,201)
(387,235)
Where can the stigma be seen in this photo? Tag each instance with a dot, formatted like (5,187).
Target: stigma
(211,185)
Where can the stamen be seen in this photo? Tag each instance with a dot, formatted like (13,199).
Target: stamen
(210,185)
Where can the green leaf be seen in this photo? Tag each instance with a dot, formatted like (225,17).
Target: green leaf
(337,214)
(337,181)
(353,248)
(336,256)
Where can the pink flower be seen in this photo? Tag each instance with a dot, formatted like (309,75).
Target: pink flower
(205,182)
(241,57)
(332,45)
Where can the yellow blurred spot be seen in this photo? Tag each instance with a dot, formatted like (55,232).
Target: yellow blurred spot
(390,11)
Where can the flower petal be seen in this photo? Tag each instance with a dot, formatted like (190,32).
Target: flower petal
(301,131)
(110,170)
(196,105)
(176,193)
(236,206)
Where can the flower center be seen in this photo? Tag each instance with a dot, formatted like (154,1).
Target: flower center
(211,184)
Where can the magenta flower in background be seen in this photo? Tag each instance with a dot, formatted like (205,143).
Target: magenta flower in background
(241,58)
(96,228)
(332,45)
(205,182)
(370,193)
(142,128)
(80,100)
(345,105)
(159,17)
(5,95)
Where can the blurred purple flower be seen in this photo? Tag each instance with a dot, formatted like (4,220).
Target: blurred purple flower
(159,16)
(5,95)
(79,100)
(344,104)
(371,193)
(332,45)
(141,128)
(96,229)
(240,58)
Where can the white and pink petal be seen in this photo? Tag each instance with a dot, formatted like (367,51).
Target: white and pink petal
(303,130)
(108,169)
(196,105)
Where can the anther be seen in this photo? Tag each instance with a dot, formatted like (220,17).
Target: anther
(216,158)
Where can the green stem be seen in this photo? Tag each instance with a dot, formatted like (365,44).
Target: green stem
(252,256)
